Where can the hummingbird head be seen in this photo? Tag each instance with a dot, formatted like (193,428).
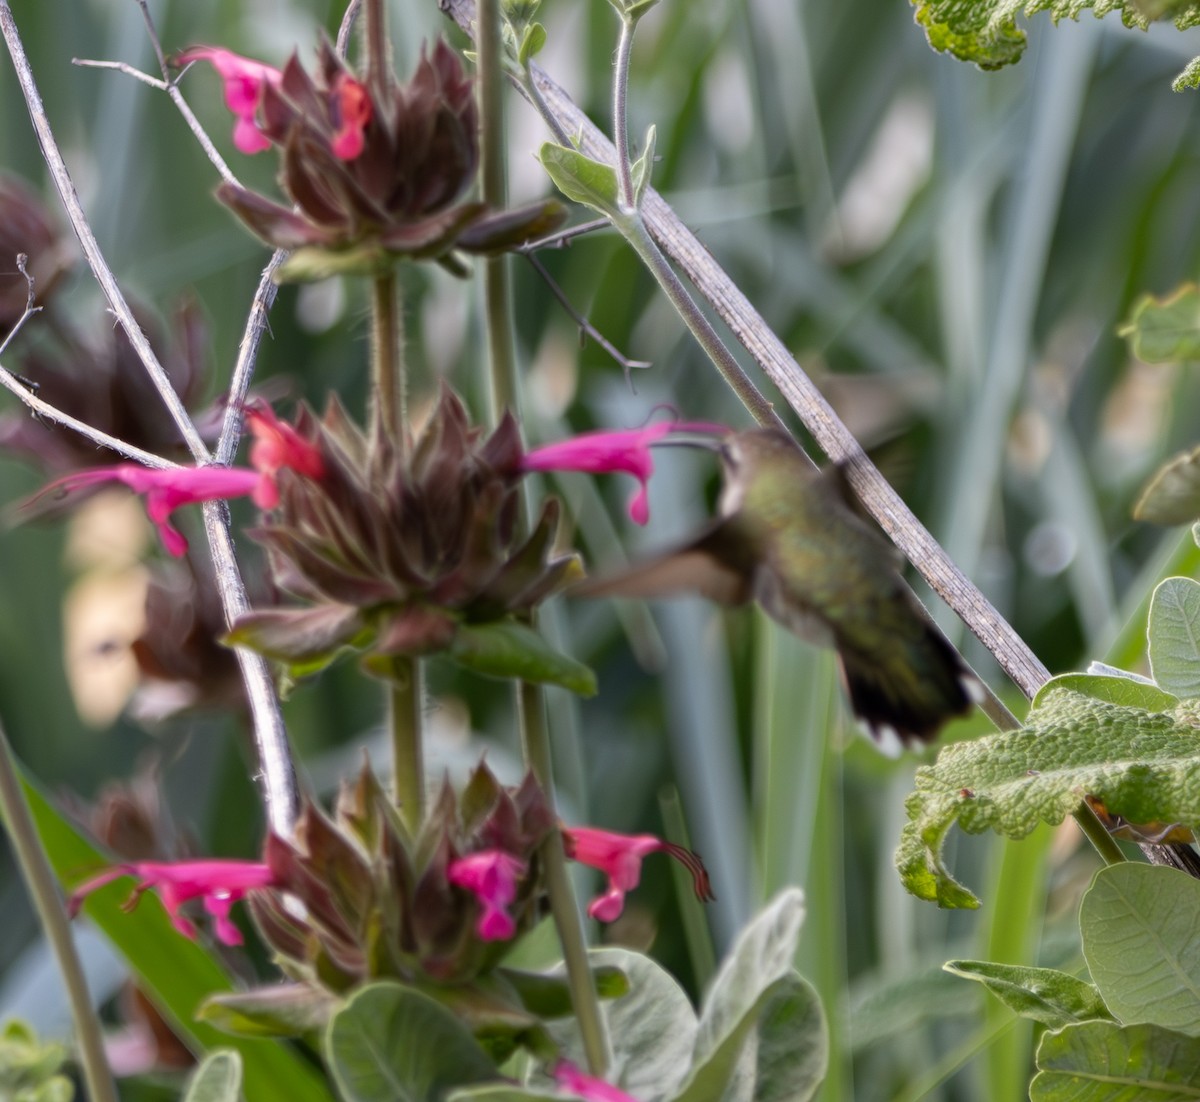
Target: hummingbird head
(746,457)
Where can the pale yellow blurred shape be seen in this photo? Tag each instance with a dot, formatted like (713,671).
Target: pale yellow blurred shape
(108,531)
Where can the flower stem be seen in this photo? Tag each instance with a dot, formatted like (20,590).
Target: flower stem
(621,114)
(378,48)
(504,388)
(531,716)
(406,702)
(387,360)
(43,888)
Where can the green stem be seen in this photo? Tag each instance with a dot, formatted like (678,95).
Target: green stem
(621,113)
(504,388)
(406,702)
(378,48)
(493,180)
(531,716)
(43,888)
(633,229)
(387,359)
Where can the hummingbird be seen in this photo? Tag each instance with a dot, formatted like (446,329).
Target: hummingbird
(787,536)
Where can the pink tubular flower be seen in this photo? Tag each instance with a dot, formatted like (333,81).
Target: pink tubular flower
(587,1087)
(625,450)
(492,875)
(352,112)
(619,857)
(165,490)
(277,445)
(219,883)
(244,80)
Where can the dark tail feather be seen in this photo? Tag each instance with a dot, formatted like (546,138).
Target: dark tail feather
(910,691)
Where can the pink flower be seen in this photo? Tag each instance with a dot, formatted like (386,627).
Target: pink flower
(619,857)
(165,490)
(244,80)
(587,1087)
(625,450)
(492,875)
(351,112)
(277,445)
(219,883)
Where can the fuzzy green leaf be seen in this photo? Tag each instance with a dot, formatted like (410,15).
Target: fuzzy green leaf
(986,31)
(1106,1062)
(532,41)
(1044,994)
(1128,690)
(217,1079)
(508,649)
(1172,496)
(392,1044)
(1165,330)
(580,178)
(1142,944)
(1174,634)
(757,995)
(1143,765)
(282,1010)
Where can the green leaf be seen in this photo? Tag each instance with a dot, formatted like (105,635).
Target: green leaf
(1165,330)
(756,994)
(283,1010)
(986,31)
(643,168)
(29,1067)
(1140,764)
(549,996)
(1189,77)
(1172,496)
(652,1028)
(392,1044)
(310,263)
(1142,944)
(218,1079)
(1044,994)
(1174,636)
(1126,689)
(1106,1062)
(580,178)
(532,42)
(177,974)
(508,649)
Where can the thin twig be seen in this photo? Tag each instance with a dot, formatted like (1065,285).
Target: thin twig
(91,249)
(31,308)
(243,370)
(563,238)
(121,67)
(347,27)
(585,326)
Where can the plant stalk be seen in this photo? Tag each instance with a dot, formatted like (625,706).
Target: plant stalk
(406,716)
(504,390)
(388,387)
(621,113)
(43,888)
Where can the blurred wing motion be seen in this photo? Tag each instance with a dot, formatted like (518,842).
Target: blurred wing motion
(789,539)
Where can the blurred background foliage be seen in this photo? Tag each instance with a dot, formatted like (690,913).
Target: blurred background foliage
(948,252)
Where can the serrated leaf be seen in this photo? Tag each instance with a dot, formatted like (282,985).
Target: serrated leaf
(1044,994)
(217,1079)
(1173,631)
(582,179)
(392,1044)
(1128,690)
(1189,77)
(1172,496)
(1141,765)
(508,649)
(1142,944)
(1165,330)
(1106,1062)
(986,31)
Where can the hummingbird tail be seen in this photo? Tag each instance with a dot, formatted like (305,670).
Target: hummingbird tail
(910,691)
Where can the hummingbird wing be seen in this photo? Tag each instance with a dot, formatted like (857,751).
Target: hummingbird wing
(711,565)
